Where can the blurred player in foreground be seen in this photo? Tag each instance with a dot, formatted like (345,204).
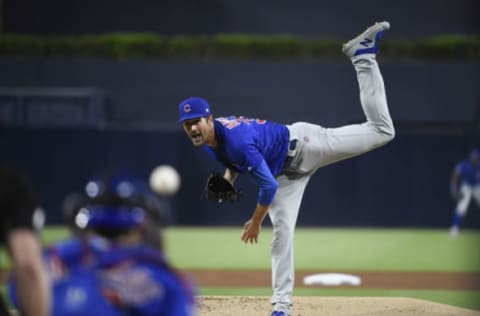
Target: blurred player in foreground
(280,159)
(158,207)
(112,269)
(465,183)
(18,234)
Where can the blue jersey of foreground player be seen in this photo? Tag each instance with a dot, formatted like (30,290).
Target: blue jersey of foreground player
(469,173)
(93,277)
(256,146)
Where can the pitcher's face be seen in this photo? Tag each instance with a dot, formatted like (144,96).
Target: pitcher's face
(199,130)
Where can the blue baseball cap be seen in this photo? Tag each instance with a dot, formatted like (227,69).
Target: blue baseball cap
(193,108)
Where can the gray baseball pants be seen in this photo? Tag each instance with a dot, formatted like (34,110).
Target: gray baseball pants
(318,146)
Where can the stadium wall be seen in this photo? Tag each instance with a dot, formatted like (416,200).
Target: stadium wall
(404,184)
(148,92)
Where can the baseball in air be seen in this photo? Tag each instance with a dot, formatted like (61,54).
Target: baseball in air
(165,180)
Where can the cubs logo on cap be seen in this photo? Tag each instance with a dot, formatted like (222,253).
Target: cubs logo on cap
(193,108)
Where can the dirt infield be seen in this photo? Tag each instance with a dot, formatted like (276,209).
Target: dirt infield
(329,306)
(372,280)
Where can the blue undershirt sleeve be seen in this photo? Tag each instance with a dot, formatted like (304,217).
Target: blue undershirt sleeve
(266,182)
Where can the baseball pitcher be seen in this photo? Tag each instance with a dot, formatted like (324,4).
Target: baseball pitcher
(280,159)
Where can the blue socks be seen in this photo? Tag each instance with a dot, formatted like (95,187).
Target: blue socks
(457,219)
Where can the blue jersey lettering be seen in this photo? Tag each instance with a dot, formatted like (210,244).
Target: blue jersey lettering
(244,142)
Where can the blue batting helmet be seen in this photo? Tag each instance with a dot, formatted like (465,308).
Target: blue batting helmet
(115,203)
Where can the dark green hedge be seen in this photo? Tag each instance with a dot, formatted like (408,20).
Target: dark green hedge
(228,46)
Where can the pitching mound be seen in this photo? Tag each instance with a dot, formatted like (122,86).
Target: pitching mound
(329,306)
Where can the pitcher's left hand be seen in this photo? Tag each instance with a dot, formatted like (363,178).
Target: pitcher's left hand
(251,230)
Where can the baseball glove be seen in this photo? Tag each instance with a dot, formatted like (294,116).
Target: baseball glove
(219,189)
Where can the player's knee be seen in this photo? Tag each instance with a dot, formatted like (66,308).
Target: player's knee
(386,138)
(385,134)
(389,134)
(388,131)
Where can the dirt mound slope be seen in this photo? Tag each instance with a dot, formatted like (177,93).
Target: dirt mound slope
(329,306)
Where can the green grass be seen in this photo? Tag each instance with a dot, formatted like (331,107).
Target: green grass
(319,248)
(329,249)
(326,249)
(53,234)
(407,250)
